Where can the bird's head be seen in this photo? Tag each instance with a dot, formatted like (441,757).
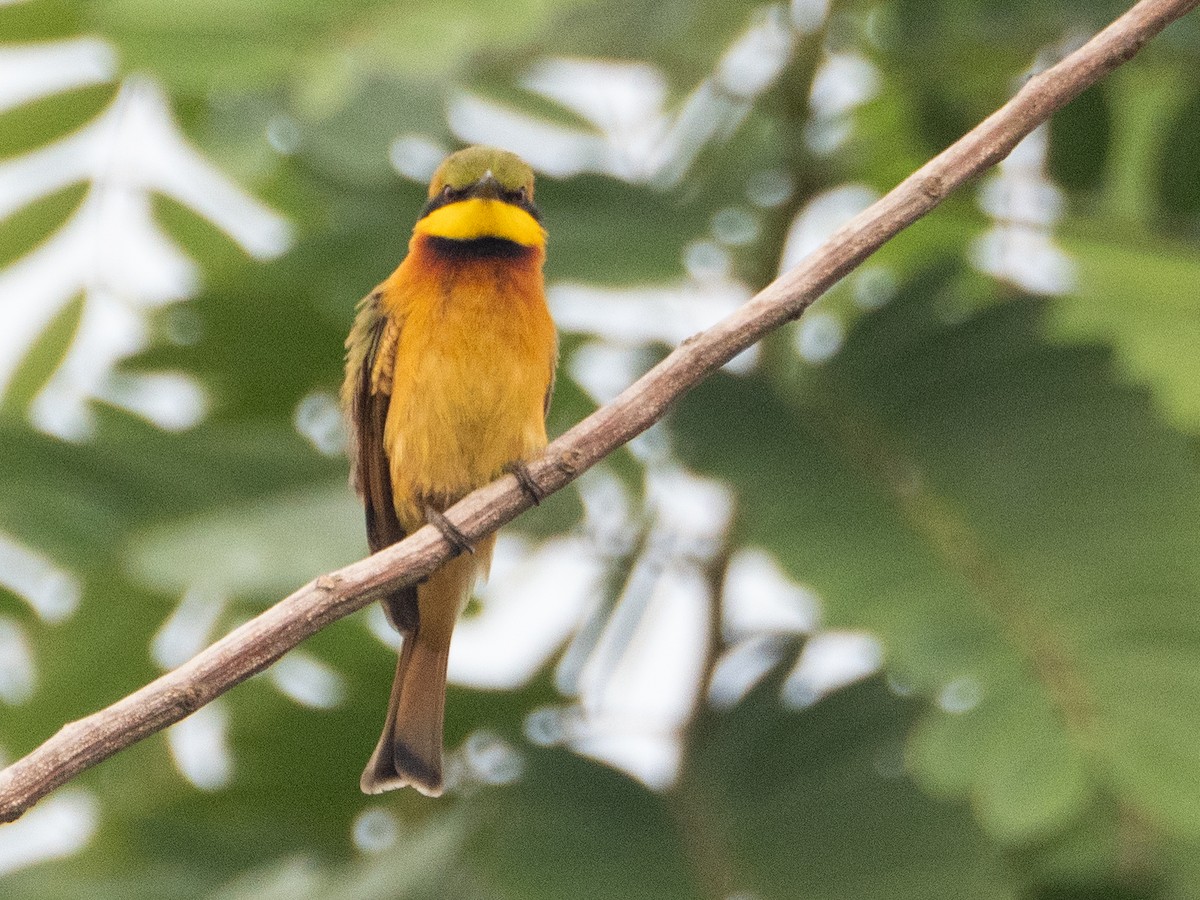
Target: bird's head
(481,193)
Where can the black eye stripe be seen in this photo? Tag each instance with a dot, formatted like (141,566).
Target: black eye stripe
(447,196)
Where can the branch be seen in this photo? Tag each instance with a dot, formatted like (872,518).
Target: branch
(258,643)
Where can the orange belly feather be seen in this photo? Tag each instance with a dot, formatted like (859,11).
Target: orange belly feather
(471,371)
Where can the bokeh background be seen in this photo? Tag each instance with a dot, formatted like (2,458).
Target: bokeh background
(903,603)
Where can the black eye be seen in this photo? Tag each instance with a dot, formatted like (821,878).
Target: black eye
(446,192)
(522,193)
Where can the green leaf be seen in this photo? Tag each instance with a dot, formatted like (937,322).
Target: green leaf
(607,231)
(31,125)
(1035,786)
(816,804)
(86,499)
(1080,136)
(40,20)
(42,360)
(573,828)
(1017,530)
(263,549)
(1178,189)
(33,224)
(1140,300)
(224,44)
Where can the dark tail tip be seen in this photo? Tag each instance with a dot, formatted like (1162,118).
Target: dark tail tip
(423,773)
(403,767)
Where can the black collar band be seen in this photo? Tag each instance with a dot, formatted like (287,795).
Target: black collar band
(477,248)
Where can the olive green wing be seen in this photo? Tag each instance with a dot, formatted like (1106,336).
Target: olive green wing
(366,394)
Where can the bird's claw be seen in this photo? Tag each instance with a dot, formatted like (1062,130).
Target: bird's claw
(524,477)
(449,530)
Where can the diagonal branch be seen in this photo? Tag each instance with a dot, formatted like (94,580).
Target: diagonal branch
(255,645)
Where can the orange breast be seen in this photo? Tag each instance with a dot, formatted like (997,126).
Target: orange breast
(473,363)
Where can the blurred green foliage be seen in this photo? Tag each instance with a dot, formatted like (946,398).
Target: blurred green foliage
(1002,487)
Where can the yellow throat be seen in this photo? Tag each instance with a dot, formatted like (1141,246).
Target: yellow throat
(480,217)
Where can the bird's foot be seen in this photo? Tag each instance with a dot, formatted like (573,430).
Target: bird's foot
(449,530)
(525,478)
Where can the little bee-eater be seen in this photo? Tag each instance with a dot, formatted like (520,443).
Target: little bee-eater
(449,369)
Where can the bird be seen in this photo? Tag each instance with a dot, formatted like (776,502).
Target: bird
(450,367)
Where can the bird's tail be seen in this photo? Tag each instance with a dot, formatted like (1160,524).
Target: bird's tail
(409,752)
